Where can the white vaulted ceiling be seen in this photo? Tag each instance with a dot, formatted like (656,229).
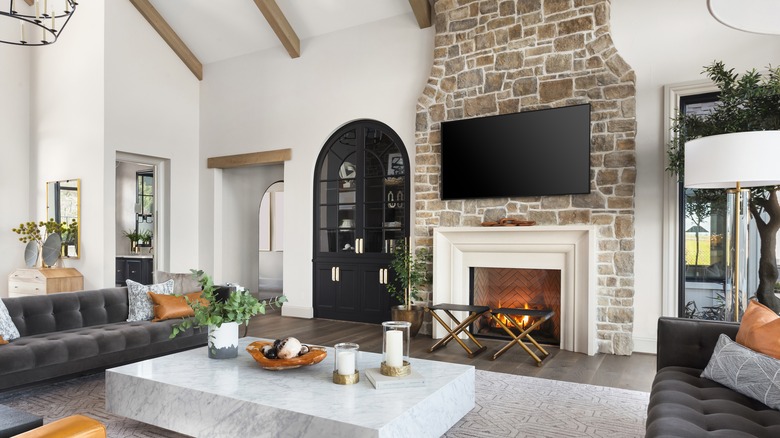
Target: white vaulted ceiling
(215,30)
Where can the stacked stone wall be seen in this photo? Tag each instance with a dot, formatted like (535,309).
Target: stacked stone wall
(498,57)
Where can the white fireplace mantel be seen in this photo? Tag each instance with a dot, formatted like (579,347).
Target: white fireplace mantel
(568,248)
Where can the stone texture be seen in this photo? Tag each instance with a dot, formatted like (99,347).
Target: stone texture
(503,56)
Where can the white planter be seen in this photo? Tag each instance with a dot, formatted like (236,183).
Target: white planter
(223,341)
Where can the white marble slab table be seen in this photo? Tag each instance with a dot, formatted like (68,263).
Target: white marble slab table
(191,394)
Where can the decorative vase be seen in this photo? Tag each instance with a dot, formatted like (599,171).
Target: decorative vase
(223,341)
(414,315)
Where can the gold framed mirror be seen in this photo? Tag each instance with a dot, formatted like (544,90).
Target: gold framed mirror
(63,205)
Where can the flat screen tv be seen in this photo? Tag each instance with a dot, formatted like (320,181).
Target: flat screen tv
(530,153)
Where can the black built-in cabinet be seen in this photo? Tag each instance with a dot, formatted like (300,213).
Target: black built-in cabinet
(134,268)
(361,213)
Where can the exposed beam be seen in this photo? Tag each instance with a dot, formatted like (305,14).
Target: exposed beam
(281,26)
(166,32)
(30,2)
(422,12)
(251,159)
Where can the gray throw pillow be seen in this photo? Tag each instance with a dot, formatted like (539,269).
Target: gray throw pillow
(182,283)
(748,372)
(8,330)
(141,306)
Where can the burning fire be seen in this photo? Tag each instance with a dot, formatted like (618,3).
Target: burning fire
(522,323)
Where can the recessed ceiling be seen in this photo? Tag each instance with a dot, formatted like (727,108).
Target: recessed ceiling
(219,30)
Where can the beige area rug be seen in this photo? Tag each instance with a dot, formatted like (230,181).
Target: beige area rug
(507,406)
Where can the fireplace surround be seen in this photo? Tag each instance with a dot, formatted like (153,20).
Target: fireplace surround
(570,249)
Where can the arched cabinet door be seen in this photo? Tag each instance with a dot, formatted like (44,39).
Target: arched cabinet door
(361,213)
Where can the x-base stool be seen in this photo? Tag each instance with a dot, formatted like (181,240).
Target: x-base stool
(540,316)
(474,312)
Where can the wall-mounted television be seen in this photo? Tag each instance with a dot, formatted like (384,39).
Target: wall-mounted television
(530,153)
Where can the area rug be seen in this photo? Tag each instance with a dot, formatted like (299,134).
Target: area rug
(507,406)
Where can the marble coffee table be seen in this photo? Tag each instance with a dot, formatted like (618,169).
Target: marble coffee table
(191,394)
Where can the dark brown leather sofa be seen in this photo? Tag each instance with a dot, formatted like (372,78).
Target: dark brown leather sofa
(70,333)
(682,404)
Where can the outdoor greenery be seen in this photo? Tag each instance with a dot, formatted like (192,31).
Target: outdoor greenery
(238,307)
(750,102)
(411,273)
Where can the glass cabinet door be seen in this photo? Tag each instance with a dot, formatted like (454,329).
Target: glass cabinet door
(362,192)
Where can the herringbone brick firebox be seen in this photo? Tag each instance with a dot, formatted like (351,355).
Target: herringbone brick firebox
(518,288)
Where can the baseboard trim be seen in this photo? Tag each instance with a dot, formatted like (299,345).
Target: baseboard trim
(645,345)
(297,311)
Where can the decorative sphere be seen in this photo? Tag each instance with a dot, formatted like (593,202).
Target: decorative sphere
(289,348)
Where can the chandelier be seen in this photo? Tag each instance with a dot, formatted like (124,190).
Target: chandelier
(34,22)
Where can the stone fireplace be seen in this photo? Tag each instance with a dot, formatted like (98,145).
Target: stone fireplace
(497,57)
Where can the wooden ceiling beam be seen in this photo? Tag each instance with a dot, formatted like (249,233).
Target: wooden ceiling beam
(422,12)
(169,36)
(30,2)
(251,159)
(281,27)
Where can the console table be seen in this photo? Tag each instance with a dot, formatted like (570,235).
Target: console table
(42,281)
(189,393)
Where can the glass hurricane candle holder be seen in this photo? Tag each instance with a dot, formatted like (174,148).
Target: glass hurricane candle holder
(345,369)
(395,348)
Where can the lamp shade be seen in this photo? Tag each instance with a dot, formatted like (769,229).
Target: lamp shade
(720,161)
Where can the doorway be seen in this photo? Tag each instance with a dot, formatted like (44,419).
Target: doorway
(271,242)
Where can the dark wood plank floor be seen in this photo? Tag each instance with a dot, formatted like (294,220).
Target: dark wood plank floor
(630,372)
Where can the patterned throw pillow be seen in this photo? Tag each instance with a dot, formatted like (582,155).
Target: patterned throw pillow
(141,308)
(749,373)
(8,330)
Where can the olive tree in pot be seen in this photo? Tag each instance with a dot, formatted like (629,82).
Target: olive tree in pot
(750,102)
(222,311)
(410,273)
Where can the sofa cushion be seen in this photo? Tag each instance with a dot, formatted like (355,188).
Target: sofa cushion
(141,307)
(682,404)
(760,329)
(173,306)
(748,372)
(8,330)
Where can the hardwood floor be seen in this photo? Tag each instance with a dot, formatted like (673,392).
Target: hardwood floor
(629,372)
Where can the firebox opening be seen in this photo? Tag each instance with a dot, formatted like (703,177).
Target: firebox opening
(521,289)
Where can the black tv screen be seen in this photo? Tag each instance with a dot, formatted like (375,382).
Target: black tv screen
(531,153)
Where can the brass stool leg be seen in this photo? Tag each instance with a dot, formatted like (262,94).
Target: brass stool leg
(443,341)
(453,333)
(519,339)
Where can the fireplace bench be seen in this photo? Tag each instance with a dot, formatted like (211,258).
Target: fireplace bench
(539,316)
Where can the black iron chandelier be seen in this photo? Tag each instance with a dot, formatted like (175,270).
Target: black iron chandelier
(34,22)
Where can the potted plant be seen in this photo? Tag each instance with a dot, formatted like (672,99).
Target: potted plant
(222,313)
(134,237)
(31,234)
(410,274)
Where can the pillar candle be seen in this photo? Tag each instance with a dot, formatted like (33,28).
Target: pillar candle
(346,363)
(394,348)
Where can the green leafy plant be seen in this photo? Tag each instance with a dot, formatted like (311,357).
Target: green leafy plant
(411,272)
(133,235)
(750,102)
(32,232)
(146,237)
(239,306)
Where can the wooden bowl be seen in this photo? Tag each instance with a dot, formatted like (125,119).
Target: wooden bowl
(315,355)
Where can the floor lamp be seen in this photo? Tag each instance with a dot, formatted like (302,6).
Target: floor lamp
(733,161)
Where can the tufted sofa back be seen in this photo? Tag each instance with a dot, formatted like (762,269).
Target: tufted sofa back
(38,314)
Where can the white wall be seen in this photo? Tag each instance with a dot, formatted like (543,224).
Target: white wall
(152,110)
(267,101)
(67,132)
(15,165)
(667,42)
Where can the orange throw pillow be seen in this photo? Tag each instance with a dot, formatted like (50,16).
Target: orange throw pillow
(3,341)
(760,329)
(172,306)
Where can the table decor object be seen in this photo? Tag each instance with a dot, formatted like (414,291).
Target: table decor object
(345,369)
(315,355)
(395,348)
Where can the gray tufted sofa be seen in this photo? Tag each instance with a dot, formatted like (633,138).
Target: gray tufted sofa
(682,404)
(70,333)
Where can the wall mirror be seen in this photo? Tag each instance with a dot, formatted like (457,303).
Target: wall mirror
(63,205)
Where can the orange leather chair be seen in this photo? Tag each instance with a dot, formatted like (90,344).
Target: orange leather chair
(75,426)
